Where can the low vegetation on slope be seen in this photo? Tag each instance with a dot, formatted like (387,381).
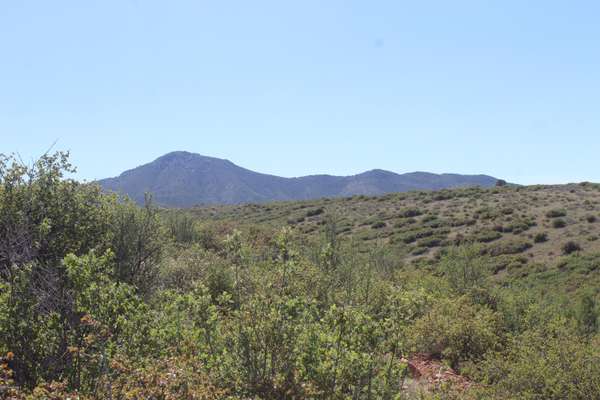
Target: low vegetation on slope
(329,299)
(526,230)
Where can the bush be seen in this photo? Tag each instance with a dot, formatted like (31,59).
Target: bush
(137,239)
(559,223)
(570,247)
(409,212)
(519,226)
(404,222)
(513,246)
(43,218)
(418,251)
(175,377)
(412,236)
(378,225)
(457,331)
(182,227)
(465,267)
(430,242)
(314,212)
(208,238)
(556,213)
(550,363)
(487,236)
(540,237)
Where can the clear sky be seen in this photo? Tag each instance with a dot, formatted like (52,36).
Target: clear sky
(509,88)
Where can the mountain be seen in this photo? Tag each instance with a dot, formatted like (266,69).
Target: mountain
(182,179)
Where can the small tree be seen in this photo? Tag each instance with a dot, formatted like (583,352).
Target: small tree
(43,217)
(587,315)
(465,267)
(137,241)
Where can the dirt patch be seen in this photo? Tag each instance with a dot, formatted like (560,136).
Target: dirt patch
(430,374)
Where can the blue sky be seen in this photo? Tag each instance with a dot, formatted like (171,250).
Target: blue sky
(507,88)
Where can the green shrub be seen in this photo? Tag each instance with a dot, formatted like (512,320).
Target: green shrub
(409,212)
(430,242)
(182,227)
(208,238)
(378,225)
(519,226)
(556,213)
(137,239)
(457,331)
(418,251)
(487,236)
(314,212)
(540,237)
(559,223)
(412,236)
(587,314)
(549,363)
(404,222)
(512,246)
(465,267)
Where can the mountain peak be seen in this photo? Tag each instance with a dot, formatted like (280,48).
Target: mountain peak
(184,179)
(378,173)
(186,155)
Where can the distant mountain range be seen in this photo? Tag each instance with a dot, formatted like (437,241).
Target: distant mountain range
(182,179)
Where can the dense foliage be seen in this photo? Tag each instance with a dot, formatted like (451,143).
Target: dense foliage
(100,298)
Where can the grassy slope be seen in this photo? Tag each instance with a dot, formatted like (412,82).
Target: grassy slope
(417,226)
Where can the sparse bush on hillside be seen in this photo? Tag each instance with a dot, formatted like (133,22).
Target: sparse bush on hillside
(540,237)
(559,223)
(519,226)
(410,212)
(418,251)
(512,246)
(314,212)
(570,247)
(412,236)
(487,236)
(430,242)
(404,222)
(378,225)
(556,213)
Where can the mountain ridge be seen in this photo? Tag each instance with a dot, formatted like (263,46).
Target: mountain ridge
(184,179)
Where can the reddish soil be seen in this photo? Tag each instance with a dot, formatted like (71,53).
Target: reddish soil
(431,373)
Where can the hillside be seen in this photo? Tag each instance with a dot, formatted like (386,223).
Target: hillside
(525,229)
(182,179)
